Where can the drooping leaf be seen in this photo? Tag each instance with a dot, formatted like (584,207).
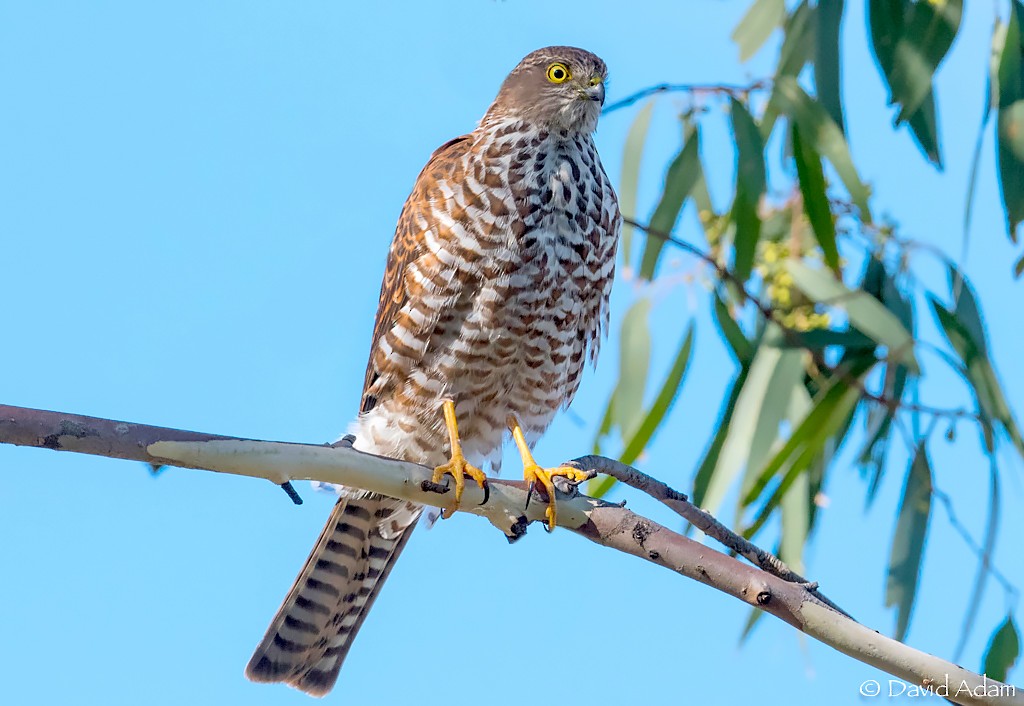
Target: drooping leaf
(965,306)
(654,416)
(757,25)
(1010,126)
(1003,651)
(738,342)
(753,410)
(910,40)
(662,403)
(797,49)
(981,374)
(750,186)
(798,45)
(821,133)
(908,541)
(632,155)
(812,187)
(827,66)
(682,175)
(864,311)
(785,384)
(930,30)
(827,415)
(634,360)
(796,517)
(705,471)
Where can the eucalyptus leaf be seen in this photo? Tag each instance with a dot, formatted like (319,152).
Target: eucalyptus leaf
(682,176)
(763,17)
(908,542)
(827,66)
(750,186)
(824,135)
(816,205)
(632,155)
(1003,651)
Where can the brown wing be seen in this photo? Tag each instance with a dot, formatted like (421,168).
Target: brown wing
(406,247)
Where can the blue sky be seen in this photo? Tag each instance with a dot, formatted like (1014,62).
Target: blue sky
(196,201)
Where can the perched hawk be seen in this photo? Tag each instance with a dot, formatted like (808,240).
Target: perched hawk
(495,292)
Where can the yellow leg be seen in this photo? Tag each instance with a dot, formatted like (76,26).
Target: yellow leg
(533,473)
(457,465)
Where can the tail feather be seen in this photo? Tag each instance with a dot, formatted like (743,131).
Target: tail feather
(308,639)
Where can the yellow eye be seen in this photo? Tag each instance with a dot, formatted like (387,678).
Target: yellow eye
(558,73)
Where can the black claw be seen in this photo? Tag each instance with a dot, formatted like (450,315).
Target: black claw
(529,494)
(487,493)
(290,490)
(432,487)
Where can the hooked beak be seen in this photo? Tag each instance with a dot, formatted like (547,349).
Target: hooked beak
(595,93)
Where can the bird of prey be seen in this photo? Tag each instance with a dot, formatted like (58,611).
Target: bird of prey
(495,293)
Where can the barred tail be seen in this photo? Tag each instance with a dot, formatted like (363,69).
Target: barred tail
(309,637)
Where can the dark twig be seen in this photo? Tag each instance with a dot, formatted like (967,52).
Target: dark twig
(289,489)
(736,91)
(701,519)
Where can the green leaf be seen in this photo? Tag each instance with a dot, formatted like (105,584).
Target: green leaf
(830,406)
(965,305)
(740,346)
(632,155)
(756,416)
(680,180)
(930,30)
(1010,126)
(750,186)
(796,522)
(785,386)
(1011,164)
(831,413)
(1003,651)
(981,374)
(662,403)
(757,25)
(634,360)
(799,41)
(827,71)
(812,186)
(909,40)
(797,45)
(864,311)
(653,417)
(908,541)
(824,136)
(705,472)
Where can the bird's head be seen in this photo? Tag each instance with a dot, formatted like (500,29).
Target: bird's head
(555,87)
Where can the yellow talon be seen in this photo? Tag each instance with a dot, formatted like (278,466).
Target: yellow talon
(457,465)
(533,474)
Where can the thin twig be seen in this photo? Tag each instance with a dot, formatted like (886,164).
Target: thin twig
(701,519)
(697,88)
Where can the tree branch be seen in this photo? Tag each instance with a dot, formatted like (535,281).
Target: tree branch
(506,508)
